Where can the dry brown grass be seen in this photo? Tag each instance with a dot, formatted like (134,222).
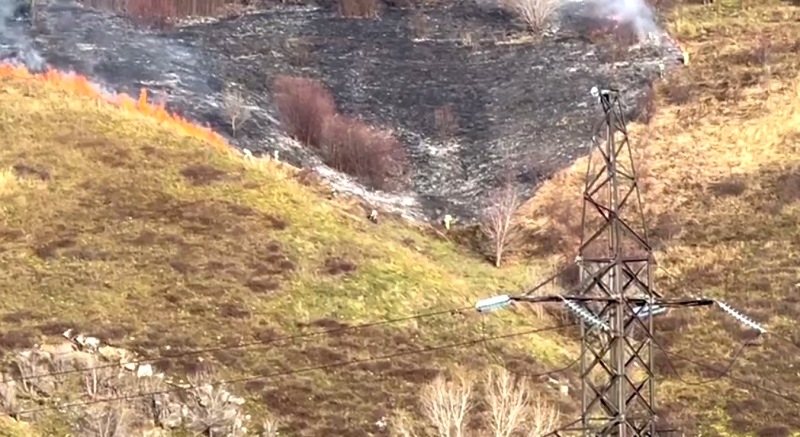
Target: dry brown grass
(720,176)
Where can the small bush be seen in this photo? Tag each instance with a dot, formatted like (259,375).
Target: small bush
(788,187)
(728,187)
(372,155)
(359,8)
(535,13)
(646,105)
(304,106)
(445,121)
(347,144)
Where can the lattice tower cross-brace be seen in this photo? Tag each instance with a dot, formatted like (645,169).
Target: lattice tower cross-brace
(616,262)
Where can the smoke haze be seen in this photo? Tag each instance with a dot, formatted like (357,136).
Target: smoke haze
(15,44)
(635,12)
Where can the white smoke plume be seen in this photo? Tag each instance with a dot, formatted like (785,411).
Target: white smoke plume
(16,45)
(635,12)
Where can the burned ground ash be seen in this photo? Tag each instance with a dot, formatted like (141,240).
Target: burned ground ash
(523,108)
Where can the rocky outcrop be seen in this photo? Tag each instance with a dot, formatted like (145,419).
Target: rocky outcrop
(118,386)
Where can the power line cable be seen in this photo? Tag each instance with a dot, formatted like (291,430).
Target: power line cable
(728,367)
(501,362)
(253,344)
(273,341)
(300,370)
(549,279)
(741,381)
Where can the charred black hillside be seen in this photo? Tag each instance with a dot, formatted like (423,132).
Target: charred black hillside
(520,106)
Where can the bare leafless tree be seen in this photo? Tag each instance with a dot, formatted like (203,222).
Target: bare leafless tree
(508,400)
(446,404)
(543,418)
(499,222)
(236,108)
(535,13)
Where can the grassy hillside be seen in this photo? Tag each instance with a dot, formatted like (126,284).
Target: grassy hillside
(118,226)
(122,226)
(720,168)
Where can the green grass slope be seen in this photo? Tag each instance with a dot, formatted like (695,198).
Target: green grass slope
(113,225)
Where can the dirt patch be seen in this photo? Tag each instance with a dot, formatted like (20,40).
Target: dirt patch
(787,187)
(16,339)
(51,249)
(202,174)
(234,310)
(18,317)
(263,285)
(118,158)
(57,327)
(733,186)
(25,171)
(338,266)
(11,235)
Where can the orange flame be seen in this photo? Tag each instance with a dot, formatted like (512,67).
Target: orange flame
(82,86)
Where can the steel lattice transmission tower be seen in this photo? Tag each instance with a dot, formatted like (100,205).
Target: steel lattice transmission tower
(616,264)
(614,300)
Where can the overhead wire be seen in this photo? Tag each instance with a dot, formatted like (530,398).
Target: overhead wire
(295,371)
(248,345)
(261,343)
(722,374)
(740,380)
(727,372)
(501,362)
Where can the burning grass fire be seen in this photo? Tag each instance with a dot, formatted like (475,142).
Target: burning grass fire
(82,86)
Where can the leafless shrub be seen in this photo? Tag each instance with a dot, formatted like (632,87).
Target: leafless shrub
(30,366)
(514,409)
(499,222)
(543,418)
(446,404)
(61,365)
(299,51)
(235,106)
(646,105)
(155,400)
(347,144)
(8,393)
(212,409)
(507,398)
(102,383)
(535,13)
(733,186)
(107,419)
(359,8)
(445,121)
(353,147)
(269,427)
(304,105)
(420,24)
